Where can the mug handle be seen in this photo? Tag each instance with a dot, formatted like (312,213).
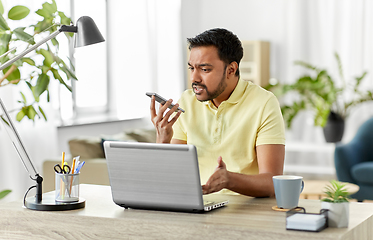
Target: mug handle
(301,189)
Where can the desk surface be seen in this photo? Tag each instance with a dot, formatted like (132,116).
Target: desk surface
(242,218)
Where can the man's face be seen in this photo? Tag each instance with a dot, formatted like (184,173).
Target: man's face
(208,73)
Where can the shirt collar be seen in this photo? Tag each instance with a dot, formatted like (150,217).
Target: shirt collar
(237,92)
(235,96)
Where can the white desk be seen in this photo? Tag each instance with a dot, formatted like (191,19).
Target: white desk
(242,218)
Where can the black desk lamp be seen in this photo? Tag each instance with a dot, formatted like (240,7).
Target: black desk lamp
(86,33)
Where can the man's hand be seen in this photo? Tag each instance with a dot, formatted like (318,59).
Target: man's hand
(162,122)
(218,180)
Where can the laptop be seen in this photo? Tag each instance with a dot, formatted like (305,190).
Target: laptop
(156,176)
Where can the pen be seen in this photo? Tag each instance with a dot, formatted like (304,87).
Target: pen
(79,167)
(62,164)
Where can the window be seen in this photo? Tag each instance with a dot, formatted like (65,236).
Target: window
(142,52)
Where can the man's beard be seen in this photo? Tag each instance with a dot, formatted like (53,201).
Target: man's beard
(212,95)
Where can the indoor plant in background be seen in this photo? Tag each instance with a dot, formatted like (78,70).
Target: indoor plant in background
(42,64)
(318,92)
(4,193)
(337,203)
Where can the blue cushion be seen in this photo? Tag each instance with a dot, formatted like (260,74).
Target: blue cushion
(363,172)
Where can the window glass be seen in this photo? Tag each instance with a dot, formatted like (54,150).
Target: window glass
(90,61)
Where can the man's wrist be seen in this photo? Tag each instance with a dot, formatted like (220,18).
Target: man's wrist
(230,180)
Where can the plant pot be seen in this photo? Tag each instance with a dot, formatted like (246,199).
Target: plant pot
(338,214)
(334,128)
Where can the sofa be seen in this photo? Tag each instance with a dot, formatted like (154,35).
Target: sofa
(90,150)
(354,161)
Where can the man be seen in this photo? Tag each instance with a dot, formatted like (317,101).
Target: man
(234,122)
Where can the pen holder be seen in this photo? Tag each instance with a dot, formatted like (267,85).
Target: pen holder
(67,187)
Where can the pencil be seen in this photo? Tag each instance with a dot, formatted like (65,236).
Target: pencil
(72,177)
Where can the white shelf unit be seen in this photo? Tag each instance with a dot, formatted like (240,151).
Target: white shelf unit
(254,65)
(325,166)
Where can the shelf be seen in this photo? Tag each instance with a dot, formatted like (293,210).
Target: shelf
(309,147)
(309,169)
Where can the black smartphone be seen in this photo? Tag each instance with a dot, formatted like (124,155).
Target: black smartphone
(162,100)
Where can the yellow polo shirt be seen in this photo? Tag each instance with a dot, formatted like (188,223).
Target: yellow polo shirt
(250,117)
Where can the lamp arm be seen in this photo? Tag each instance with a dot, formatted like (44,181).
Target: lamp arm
(31,48)
(63,28)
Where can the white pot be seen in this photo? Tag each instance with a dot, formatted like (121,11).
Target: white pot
(338,214)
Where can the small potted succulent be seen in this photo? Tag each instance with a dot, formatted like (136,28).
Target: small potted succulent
(337,202)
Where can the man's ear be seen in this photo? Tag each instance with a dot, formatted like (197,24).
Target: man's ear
(231,69)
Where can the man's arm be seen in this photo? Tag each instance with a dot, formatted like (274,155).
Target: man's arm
(270,162)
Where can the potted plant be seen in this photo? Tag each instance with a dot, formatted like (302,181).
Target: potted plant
(42,65)
(318,92)
(337,203)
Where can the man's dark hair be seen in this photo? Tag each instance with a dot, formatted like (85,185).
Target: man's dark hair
(228,45)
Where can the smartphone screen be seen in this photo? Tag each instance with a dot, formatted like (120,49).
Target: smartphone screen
(162,100)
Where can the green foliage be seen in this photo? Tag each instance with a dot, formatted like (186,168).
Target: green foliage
(18,12)
(4,193)
(45,63)
(336,192)
(319,93)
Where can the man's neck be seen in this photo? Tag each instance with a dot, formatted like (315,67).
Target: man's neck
(227,93)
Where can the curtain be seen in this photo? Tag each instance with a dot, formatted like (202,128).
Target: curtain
(145,53)
(317,29)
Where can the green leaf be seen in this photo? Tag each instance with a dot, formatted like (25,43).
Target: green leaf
(48,57)
(15,75)
(41,84)
(42,113)
(43,13)
(24,98)
(30,112)
(5,121)
(21,114)
(28,61)
(4,193)
(336,192)
(55,42)
(4,45)
(29,85)
(57,76)
(306,65)
(3,24)
(358,79)
(22,35)
(64,20)
(18,12)
(1,8)
(65,69)
(50,7)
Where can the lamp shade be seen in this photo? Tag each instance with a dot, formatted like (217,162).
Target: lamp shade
(87,32)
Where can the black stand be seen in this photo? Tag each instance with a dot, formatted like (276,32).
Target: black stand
(48,202)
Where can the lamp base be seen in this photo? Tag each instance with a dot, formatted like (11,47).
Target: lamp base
(48,203)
